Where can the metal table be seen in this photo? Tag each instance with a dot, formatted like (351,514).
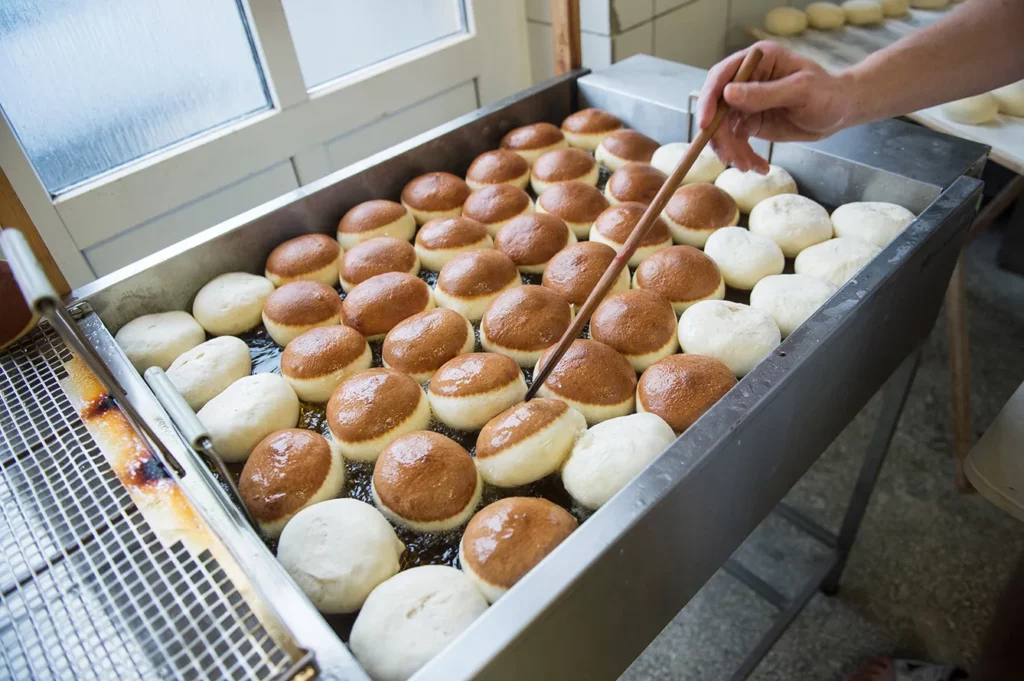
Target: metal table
(839,49)
(592,606)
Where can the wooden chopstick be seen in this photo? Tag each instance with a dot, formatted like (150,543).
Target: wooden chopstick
(608,279)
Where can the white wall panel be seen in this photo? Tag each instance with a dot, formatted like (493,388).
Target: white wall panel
(401,125)
(693,34)
(639,40)
(596,49)
(191,218)
(625,14)
(594,14)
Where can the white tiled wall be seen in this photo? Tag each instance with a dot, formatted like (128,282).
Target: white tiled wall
(597,50)
(637,40)
(695,32)
(626,14)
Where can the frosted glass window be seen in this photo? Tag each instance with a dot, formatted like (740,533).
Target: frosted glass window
(337,37)
(89,85)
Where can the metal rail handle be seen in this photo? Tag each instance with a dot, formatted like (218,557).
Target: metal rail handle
(34,285)
(193,431)
(40,296)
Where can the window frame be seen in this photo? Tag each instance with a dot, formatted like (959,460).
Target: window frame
(296,128)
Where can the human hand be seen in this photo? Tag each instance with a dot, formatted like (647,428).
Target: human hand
(788,98)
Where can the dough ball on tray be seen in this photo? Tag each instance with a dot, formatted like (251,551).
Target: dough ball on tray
(835,261)
(371,219)
(338,552)
(412,617)
(310,257)
(156,340)
(231,303)
(426,482)
(315,362)
(609,455)
(738,335)
(469,390)
(205,371)
(246,412)
(625,146)
(299,306)
(749,188)
(371,409)
(587,127)
(506,539)
(289,470)
(527,441)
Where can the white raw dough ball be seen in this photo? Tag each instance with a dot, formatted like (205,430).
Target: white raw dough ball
(744,258)
(751,187)
(863,12)
(792,221)
(205,371)
(875,222)
(156,340)
(836,260)
(231,303)
(706,168)
(411,617)
(338,551)
(825,16)
(790,298)
(895,8)
(611,453)
(785,21)
(736,334)
(1011,98)
(976,110)
(249,409)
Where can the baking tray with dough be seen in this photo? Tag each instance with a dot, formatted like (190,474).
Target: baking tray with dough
(634,563)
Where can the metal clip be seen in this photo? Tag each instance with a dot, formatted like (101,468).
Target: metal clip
(193,431)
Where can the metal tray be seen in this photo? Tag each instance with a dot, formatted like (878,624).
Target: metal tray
(592,606)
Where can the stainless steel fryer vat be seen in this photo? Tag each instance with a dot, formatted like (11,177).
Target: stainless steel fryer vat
(592,606)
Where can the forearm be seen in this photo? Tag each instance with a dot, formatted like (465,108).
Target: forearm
(977,48)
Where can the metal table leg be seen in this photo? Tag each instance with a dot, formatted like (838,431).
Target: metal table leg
(827,574)
(894,396)
(958,348)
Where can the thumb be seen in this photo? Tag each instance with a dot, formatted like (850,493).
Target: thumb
(762,96)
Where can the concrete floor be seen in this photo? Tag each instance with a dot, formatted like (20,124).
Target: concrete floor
(929,562)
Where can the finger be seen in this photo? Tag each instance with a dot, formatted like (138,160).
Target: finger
(757,97)
(770,52)
(718,77)
(748,125)
(729,148)
(734,122)
(734,149)
(748,159)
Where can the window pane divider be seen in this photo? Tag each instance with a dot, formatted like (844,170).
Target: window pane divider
(276,51)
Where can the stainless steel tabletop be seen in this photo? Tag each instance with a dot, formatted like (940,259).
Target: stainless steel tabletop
(593,605)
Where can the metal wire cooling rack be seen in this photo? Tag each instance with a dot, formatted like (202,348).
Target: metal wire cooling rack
(87,590)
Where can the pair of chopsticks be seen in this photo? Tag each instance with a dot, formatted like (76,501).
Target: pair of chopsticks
(618,263)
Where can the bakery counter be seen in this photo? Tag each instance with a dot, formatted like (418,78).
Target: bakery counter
(592,605)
